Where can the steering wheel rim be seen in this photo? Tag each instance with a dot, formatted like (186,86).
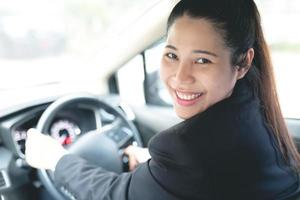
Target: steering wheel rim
(51,111)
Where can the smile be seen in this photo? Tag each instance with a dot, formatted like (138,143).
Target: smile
(187,99)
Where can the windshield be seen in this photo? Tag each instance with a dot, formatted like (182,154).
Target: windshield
(49,41)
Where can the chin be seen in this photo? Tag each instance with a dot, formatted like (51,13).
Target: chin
(185,114)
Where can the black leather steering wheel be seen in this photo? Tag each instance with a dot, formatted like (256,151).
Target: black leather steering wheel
(104,143)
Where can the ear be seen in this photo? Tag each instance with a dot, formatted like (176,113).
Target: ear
(242,71)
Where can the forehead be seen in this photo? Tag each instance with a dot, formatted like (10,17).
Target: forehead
(195,33)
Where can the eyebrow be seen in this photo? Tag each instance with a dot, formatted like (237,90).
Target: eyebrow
(194,51)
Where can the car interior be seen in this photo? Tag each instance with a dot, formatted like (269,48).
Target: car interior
(73,67)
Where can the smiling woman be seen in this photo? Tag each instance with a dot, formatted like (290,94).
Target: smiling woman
(233,142)
(230,142)
(198,78)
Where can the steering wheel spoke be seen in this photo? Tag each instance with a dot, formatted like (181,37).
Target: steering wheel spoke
(119,133)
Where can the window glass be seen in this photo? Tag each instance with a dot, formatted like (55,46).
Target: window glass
(158,93)
(130,81)
(280,19)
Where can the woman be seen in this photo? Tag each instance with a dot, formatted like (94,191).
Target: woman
(233,143)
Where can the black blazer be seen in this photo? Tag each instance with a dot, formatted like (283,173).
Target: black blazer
(225,152)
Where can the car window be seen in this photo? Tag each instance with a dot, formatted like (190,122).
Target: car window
(158,95)
(131,80)
(279,19)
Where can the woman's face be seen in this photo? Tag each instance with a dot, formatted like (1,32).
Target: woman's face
(196,67)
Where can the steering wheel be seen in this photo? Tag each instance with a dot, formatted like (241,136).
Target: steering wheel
(101,146)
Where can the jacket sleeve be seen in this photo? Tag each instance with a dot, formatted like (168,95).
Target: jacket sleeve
(84,181)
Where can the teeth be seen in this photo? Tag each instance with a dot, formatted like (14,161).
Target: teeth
(187,96)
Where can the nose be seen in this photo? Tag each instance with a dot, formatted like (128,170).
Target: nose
(184,73)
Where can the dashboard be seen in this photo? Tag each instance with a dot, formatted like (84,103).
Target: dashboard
(68,125)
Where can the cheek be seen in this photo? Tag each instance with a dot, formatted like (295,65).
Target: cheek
(220,83)
(165,71)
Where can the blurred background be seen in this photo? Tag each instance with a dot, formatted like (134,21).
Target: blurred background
(44,41)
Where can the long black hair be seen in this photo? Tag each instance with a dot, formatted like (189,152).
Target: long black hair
(239,23)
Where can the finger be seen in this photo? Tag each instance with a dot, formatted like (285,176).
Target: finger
(132,162)
(128,150)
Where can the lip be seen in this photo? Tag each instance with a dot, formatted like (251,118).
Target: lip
(186,102)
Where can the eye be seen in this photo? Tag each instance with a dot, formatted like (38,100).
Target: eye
(202,61)
(171,56)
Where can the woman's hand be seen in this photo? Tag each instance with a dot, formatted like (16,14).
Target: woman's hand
(136,156)
(42,151)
